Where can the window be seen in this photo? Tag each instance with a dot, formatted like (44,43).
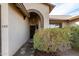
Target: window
(55,25)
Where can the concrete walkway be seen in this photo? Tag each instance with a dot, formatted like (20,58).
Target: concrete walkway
(26,49)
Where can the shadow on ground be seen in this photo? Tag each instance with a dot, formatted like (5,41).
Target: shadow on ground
(26,49)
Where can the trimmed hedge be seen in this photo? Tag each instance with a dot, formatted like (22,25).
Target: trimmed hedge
(75,37)
(51,40)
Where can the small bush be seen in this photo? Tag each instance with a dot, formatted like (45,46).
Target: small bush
(75,37)
(51,40)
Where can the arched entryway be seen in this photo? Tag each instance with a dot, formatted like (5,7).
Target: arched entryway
(35,21)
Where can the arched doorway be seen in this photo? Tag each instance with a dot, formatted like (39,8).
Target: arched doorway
(35,21)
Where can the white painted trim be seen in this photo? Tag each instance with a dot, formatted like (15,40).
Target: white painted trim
(4,29)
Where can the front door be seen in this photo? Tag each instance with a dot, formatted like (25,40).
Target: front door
(32,30)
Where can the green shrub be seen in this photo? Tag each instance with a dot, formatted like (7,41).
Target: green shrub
(75,37)
(51,40)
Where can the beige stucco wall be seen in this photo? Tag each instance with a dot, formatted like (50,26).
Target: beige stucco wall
(17,31)
(43,9)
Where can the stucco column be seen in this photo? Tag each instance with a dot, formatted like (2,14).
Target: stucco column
(46,20)
(65,24)
(4,29)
